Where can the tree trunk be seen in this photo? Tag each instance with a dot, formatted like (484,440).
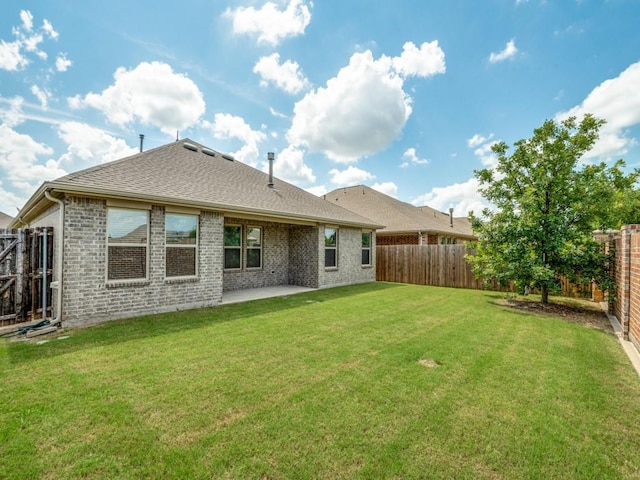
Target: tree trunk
(545,295)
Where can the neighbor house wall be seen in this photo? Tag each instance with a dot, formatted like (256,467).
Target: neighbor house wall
(89,298)
(350,269)
(408,239)
(275,257)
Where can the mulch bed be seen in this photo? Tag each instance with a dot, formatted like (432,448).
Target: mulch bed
(582,312)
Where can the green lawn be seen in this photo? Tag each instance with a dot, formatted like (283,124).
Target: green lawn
(326,384)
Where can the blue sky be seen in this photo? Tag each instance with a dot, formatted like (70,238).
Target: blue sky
(404,96)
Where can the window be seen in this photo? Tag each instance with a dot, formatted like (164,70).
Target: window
(127,244)
(232,247)
(330,247)
(366,248)
(181,245)
(254,247)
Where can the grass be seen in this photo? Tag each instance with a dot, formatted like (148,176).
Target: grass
(326,384)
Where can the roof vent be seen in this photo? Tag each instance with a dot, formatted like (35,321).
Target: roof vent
(190,146)
(228,157)
(208,151)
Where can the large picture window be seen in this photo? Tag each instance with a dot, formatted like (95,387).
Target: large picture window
(366,248)
(127,244)
(232,247)
(254,247)
(330,247)
(181,243)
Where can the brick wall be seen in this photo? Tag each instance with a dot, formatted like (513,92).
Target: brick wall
(626,273)
(275,258)
(350,269)
(303,256)
(89,298)
(412,239)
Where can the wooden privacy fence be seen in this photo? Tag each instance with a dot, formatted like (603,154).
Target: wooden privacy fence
(443,266)
(26,270)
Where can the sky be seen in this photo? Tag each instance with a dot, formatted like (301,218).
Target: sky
(405,96)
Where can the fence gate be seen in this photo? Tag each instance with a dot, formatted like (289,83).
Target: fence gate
(26,271)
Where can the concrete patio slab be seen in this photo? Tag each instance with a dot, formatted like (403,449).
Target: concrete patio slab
(237,296)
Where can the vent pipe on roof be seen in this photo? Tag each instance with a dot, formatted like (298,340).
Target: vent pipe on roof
(451,216)
(141,141)
(270,157)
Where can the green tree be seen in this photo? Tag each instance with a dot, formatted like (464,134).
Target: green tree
(546,207)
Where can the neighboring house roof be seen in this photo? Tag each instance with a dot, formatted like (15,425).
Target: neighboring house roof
(198,177)
(5,220)
(399,217)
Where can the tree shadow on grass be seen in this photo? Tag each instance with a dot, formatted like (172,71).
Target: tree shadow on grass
(69,340)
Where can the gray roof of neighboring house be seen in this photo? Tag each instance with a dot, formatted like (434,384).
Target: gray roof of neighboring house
(399,217)
(5,220)
(175,175)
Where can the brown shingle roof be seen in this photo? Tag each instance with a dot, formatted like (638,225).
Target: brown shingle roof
(399,217)
(176,174)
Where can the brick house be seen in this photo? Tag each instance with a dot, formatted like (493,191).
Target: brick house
(176,226)
(405,224)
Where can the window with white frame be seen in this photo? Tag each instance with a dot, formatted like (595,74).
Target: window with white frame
(366,248)
(330,247)
(254,247)
(127,244)
(181,245)
(232,247)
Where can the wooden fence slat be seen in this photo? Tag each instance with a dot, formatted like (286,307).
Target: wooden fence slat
(443,266)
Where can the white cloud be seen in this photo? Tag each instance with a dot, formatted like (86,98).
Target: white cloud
(463,197)
(43,95)
(271,24)
(286,76)
(19,162)
(350,176)
(426,61)
(48,28)
(478,139)
(318,190)
(289,166)
(412,158)
(227,126)
(151,93)
(27,19)
(616,100)
(13,55)
(509,51)
(388,188)
(14,115)
(10,57)
(486,155)
(88,146)
(361,110)
(62,62)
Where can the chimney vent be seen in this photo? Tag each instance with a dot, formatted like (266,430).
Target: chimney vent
(141,141)
(451,216)
(270,157)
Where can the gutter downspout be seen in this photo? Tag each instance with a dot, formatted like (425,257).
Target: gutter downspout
(59,260)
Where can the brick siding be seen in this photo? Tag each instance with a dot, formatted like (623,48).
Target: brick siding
(89,298)
(275,257)
(626,304)
(350,269)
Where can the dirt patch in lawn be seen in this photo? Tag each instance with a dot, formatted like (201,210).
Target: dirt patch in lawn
(582,312)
